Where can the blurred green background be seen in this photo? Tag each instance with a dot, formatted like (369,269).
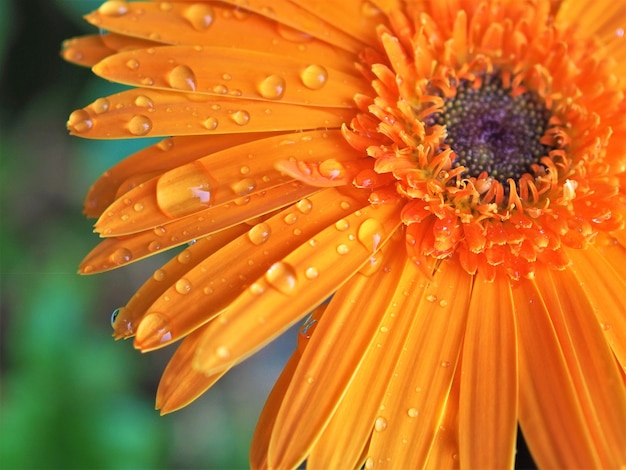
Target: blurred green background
(70,396)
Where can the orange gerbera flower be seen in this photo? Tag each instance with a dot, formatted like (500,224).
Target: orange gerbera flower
(452,174)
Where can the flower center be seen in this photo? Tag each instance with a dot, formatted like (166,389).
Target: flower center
(493,130)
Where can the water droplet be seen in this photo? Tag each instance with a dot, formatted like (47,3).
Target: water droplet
(132,64)
(380,424)
(114,316)
(147,81)
(79,121)
(304,206)
(154,329)
(370,234)
(199,15)
(220,89)
(138,207)
(332,169)
(154,246)
(113,8)
(139,125)
(257,289)
(314,77)
(183,286)
(121,256)
(290,218)
(259,233)
(182,77)
(158,275)
(244,170)
(184,257)
(159,231)
(431,298)
(413,413)
(343,249)
(282,277)
(101,105)
(143,102)
(342,225)
(311,273)
(210,123)
(369,462)
(241,118)
(445,363)
(345,205)
(89,268)
(272,87)
(184,190)
(443,303)
(244,186)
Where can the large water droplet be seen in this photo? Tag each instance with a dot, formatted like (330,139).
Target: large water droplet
(184,190)
(101,105)
(413,413)
(183,286)
(139,125)
(132,64)
(259,233)
(182,77)
(244,186)
(199,15)
(79,121)
(314,77)
(210,123)
(304,206)
(184,257)
(282,277)
(342,225)
(121,256)
(370,234)
(272,87)
(241,117)
(113,8)
(154,245)
(158,275)
(380,424)
(311,273)
(143,102)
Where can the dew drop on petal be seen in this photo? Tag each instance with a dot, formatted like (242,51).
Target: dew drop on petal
(184,257)
(80,121)
(183,286)
(342,225)
(139,125)
(113,8)
(370,234)
(343,249)
(369,463)
(257,289)
(156,328)
(413,413)
(272,87)
(101,105)
(304,206)
(184,190)
(311,273)
(314,77)
(445,363)
(200,16)
(158,275)
(290,218)
(114,316)
(282,277)
(143,102)
(182,77)
(121,256)
(244,187)
(241,117)
(380,424)
(222,352)
(259,233)
(132,64)
(210,123)
(154,245)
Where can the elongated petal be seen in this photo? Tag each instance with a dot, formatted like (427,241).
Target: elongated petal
(324,374)
(246,74)
(412,408)
(550,414)
(488,400)
(295,285)
(143,112)
(224,275)
(180,383)
(350,427)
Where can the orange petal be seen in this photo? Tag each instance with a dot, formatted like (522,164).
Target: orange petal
(85,50)
(488,400)
(156,159)
(322,376)
(224,177)
(549,412)
(295,285)
(143,112)
(350,427)
(220,25)
(411,411)
(118,251)
(180,383)
(215,282)
(246,74)
(126,322)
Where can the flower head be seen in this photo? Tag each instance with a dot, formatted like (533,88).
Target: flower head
(450,174)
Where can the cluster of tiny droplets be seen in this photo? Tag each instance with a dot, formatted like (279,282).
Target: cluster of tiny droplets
(490,130)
